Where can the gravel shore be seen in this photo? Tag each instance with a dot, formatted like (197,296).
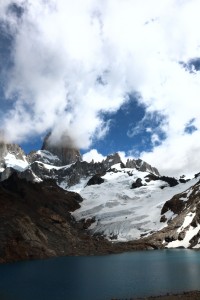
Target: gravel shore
(194,295)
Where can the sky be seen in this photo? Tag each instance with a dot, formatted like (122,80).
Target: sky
(103,76)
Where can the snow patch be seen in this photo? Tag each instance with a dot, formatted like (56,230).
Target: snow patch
(188,219)
(186,241)
(46,154)
(17,164)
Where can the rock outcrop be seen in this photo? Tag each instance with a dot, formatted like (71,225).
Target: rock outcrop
(111,160)
(96,179)
(12,149)
(142,166)
(45,157)
(67,155)
(137,183)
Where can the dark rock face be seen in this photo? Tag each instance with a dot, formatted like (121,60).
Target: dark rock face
(197,175)
(111,160)
(79,170)
(131,163)
(35,223)
(142,166)
(151,177)
(6,173)
(175,205)
(170,180)
(33,217)
(163,219)
(96,179)
(137,183)
(67,155)
(88,222)
(45,157)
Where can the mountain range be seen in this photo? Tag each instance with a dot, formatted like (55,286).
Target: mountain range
(53,203)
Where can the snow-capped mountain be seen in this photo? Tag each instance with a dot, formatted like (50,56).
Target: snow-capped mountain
(121,201)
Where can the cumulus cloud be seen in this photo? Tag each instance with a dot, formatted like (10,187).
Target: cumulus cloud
(94,155)
(71,61)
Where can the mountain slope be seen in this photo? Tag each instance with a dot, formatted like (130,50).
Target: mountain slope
(122,202)
(36,222)
(181,216)
(122,213)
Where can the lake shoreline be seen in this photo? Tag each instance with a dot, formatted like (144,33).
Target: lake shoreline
(193,295)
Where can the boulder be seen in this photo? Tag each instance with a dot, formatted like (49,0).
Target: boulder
(96,179)
(137,183)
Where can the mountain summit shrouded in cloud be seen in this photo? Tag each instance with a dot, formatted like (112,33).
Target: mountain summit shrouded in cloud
(65,64)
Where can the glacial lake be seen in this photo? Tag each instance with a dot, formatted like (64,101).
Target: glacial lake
(135,274)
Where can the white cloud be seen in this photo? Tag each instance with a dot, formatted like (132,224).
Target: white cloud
(94,155)
(62,48)
(177,155)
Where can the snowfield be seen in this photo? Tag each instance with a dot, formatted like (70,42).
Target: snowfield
(122,213)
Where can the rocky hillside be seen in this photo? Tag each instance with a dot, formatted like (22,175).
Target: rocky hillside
(36,222)
(50,208)
(181,217)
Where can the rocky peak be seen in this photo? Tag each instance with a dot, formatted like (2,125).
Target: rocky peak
(15,151)
(67,155)
(111,160)
(142,166)
(45,157)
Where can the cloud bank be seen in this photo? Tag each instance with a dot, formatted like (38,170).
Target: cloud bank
(72,61)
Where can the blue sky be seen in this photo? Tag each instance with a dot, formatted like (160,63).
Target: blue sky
(118,137)
(103,75)
(130,131)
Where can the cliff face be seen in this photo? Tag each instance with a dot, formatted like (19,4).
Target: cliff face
(67,155)
(35,223)
(142,166)
(11,152)
(14,149)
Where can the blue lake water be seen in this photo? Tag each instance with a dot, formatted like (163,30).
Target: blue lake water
(126,275)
